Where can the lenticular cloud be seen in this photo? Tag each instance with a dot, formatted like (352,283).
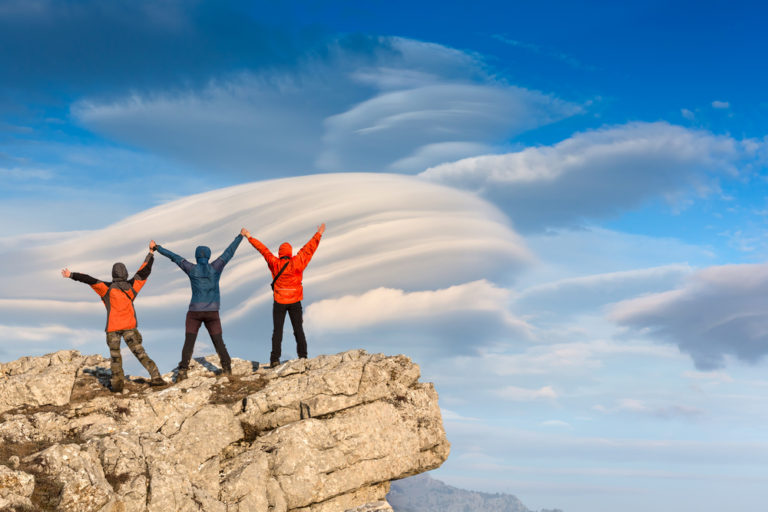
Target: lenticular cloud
(383,231)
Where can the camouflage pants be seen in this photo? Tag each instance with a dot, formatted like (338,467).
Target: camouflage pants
(133,340)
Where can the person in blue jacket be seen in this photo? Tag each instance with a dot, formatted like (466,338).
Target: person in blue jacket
(204,306)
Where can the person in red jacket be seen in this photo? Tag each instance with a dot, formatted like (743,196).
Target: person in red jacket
(287,272)
(118,296)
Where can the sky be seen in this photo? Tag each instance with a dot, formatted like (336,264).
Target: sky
(557,209)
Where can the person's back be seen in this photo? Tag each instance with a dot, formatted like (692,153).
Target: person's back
(288,273)
(118,296)
(204,276)
(206,300)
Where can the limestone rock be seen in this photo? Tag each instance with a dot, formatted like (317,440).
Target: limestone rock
(321,435)
(378,506)
(15,488)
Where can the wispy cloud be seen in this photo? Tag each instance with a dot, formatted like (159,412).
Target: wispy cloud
(642,407)
(402,108)
(572,358)
(600,173)
(24,174)
(541,50)
(591,292)
(518,394)
(719,311)
(385,233)
(384,305)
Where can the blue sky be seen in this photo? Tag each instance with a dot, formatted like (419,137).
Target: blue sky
(558,210)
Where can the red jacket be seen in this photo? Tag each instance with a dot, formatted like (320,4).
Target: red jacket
(118,298)
(288,287)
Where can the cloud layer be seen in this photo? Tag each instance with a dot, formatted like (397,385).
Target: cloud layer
(598,174)
(400,106)
(383,231)
(720,311)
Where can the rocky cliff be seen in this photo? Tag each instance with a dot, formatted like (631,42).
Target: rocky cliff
(321,435)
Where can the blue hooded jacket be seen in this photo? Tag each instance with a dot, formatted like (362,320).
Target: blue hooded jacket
(204,276)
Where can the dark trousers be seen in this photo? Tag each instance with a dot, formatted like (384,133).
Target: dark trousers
(278,319)
(213,325)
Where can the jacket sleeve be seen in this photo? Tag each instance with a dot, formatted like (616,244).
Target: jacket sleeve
(99,287)
(181,262)
(141,276)
(305,253)
(218,263)
(271,258)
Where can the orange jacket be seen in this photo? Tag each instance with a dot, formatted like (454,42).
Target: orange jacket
(288,287)
(118,295)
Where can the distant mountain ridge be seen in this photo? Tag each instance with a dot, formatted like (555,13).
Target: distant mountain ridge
(421,493)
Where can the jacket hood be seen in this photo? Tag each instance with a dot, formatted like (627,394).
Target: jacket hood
(119,272)
(285,250)
(202,253)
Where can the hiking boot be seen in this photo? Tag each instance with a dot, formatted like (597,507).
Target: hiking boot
(157,381)
(116,385)
(273,364)
(181,375)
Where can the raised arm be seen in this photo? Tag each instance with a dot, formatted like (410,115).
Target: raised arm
(99,287)
(305,253)
(222,260)
(181,262)
(141,276)
(271,258)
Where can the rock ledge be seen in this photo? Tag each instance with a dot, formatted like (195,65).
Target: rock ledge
(321,435)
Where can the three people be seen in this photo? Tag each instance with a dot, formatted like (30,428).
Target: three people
(118,296)
(287,272)
(206,299)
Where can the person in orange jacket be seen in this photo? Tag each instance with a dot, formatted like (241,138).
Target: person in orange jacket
(287,272)
(118,296)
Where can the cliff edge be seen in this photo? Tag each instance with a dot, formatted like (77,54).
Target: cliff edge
(320,435)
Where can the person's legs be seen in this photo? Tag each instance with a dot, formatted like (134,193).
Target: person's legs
(192,325)
(133,340)
(297,321)
(278,319)
(116,364)
(213,325)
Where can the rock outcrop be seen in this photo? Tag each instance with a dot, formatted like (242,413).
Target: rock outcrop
(321,435)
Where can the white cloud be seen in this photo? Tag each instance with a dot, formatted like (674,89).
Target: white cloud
(64,336)
(418,122)
(518,394)
(719,311)
(689,115)
(715,377)
(599,173)
(404,107)
(642,407)
(721,104)
(386,305)
(384,231)
(24,174)
(588,293)
(571,358)
(449,415)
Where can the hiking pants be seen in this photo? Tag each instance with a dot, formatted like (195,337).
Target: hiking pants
(278,319)
(213,325)
(132,338)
